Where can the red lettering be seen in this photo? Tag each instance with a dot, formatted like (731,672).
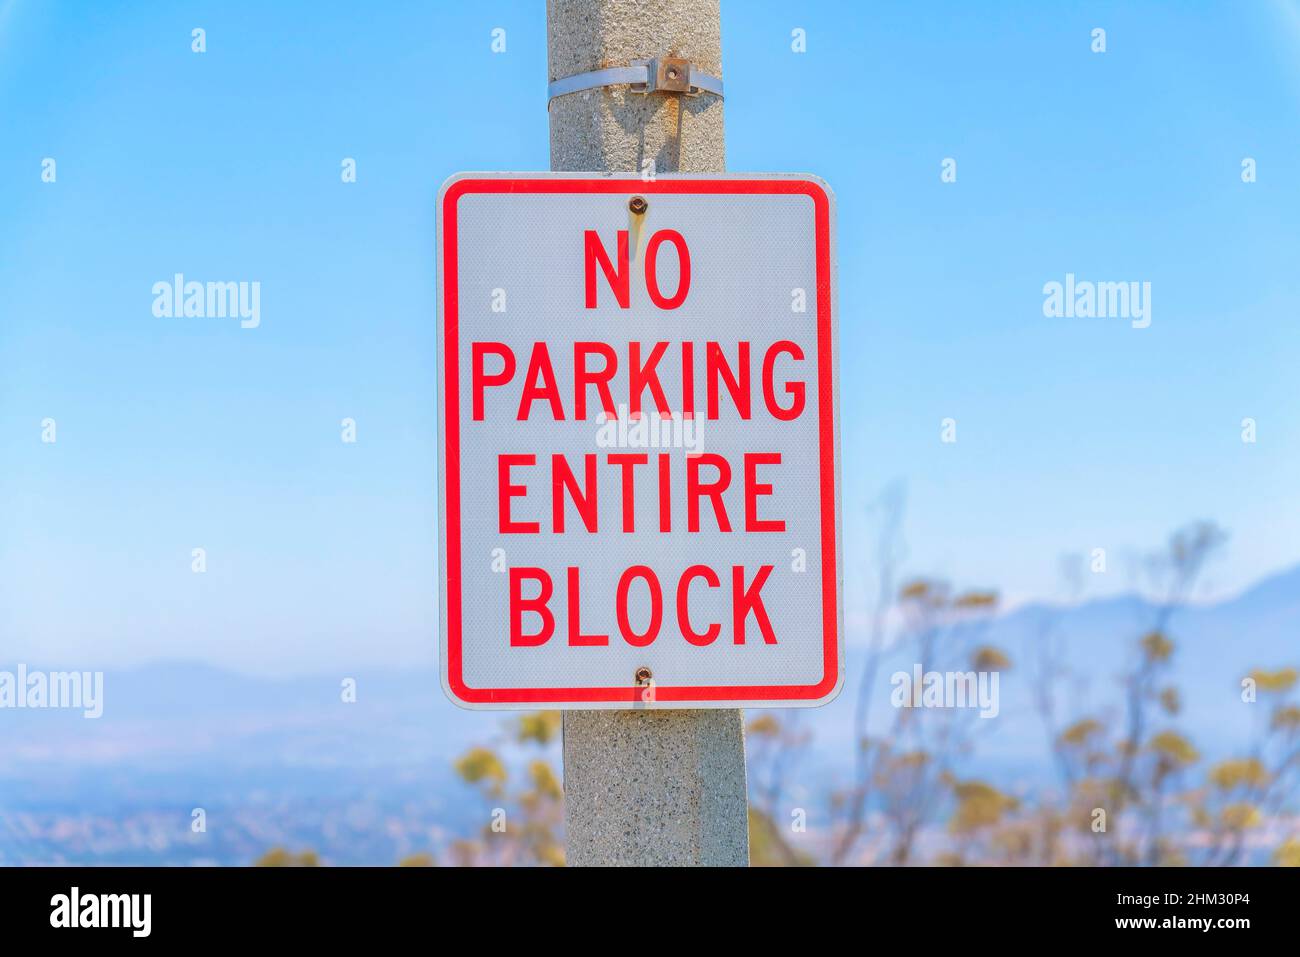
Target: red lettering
(744,600)
(665,495)
(753,489)
(507,491)
(562,478)
(688,380)
(627,461)
(539,366)
(683,605)
(715,366)
(576,637)
(794,389)
(620,281)
(640,376)
(582,378)
(683,269)
(656,606)
(481,380)
(713,490)
(519,604)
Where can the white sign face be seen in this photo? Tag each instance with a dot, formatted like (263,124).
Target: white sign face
(639,465)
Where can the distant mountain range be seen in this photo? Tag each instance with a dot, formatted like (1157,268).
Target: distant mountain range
(1216,645)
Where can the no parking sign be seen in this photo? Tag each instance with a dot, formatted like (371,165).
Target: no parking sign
(639,468)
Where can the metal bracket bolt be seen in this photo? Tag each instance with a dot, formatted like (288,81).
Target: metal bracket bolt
(668,74)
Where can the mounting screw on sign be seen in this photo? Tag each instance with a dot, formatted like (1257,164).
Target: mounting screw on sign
(649,441)
(646,682)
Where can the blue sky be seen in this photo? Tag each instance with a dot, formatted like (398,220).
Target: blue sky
(175,434)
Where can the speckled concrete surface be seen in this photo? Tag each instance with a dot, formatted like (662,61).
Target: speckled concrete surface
(612,128)
(655,788)
(645,787)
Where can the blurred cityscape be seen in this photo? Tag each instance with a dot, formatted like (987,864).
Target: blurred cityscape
(191,765)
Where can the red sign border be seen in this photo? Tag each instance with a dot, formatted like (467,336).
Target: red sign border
(632,695)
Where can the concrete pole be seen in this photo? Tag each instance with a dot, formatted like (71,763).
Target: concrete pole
(645,787)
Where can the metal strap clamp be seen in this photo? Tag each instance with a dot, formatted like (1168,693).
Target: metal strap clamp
(660,75)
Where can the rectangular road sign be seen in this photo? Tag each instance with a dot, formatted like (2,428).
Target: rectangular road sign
(639,441)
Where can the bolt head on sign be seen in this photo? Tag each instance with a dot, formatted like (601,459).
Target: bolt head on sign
(639,441)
